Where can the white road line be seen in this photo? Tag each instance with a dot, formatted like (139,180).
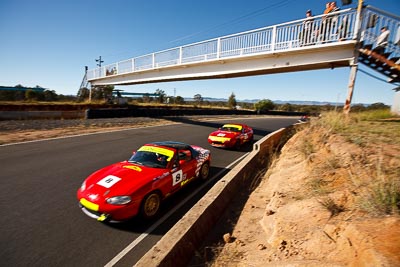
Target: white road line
(165,217)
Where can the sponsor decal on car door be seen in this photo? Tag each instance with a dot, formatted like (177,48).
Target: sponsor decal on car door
(178,177)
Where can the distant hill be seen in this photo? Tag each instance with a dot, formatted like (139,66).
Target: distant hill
(279,102)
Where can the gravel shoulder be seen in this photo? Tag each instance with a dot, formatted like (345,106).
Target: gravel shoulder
(14,131)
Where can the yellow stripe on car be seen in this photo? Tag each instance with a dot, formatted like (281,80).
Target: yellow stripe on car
(219,139)
(135,168)
(239,127)
(89,205)
(162,151)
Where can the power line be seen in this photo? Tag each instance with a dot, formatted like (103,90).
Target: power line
(237,20)
(270,7)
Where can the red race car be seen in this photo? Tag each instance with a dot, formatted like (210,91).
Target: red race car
(232,135)
(138,185)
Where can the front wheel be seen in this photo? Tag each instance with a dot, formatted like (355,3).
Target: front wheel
(251,140)
(238,144)
(151,205)
(204,171)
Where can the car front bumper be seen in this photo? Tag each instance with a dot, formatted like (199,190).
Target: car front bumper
(112,214)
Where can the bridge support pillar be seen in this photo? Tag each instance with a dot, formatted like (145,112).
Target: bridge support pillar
(352,81)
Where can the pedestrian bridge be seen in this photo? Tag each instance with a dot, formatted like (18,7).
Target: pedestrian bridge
(322,42)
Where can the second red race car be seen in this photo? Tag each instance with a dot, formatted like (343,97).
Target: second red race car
(231,135)
(138,185)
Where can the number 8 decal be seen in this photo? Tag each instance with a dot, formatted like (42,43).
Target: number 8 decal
(177,177)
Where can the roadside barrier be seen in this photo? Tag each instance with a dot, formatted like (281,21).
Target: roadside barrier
(177,246)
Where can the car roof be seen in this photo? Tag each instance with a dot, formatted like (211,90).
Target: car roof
(171,144)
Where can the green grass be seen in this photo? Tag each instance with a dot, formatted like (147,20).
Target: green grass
(375,127)
(382,197)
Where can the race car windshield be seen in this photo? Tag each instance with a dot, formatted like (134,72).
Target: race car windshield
(231,128)
(149,159)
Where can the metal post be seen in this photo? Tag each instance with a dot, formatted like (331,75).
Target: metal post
(99,61)
(354,65)
(273,39)
(352,81)
(218,47)
(180,55)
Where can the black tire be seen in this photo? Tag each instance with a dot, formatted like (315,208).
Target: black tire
(204,171)
(250,141)
(237,145)
(151,205)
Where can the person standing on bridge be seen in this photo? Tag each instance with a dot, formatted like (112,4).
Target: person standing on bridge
(307,34)
(328,21)
(334,18)
(382,41)
(325,22)
(397,40)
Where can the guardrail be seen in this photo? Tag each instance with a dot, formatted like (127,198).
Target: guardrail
(177,246)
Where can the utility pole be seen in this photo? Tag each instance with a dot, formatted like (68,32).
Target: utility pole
(99,61)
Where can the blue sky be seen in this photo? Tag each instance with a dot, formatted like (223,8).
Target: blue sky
(48,43)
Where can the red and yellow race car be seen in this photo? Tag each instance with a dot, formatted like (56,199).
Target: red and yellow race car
(139,185)
(231,135)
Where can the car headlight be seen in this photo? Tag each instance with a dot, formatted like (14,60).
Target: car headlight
(119,200)
(83,186)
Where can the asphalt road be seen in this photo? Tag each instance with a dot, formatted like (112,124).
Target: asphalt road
(41,224)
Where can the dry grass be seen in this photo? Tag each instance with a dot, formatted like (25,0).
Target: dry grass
(331,206)
(377,182)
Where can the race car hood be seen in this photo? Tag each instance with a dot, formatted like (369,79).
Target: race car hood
(119,179)
(225,134)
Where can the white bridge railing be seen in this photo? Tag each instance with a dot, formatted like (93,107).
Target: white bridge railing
(373,20)
(319,30)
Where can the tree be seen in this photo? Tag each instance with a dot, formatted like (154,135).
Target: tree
(49,95)
(146,98)
(179,100)
(102,92)
(83,94)
(264,105)
(161,95)
(378,105)
(30,95)
(232,101)
(198,98)
(287,107)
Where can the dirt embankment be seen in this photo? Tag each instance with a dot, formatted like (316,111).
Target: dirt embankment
(310,209)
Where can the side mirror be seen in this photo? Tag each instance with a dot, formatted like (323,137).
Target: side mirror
(181,162)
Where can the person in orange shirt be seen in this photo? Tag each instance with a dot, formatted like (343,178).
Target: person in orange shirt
(326,25)
(328,8)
